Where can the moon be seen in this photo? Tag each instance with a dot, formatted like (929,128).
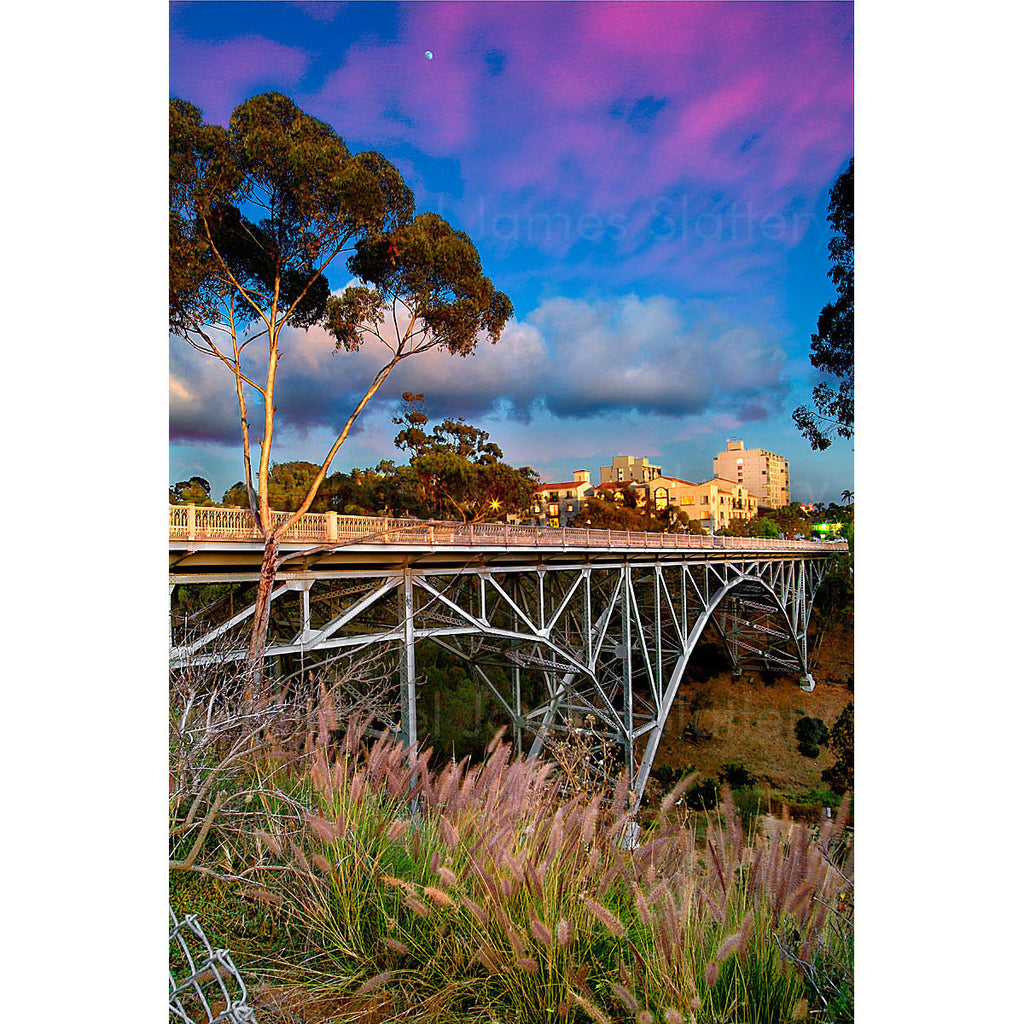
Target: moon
(428,55)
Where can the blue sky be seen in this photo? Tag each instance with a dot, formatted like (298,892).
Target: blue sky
(647,182)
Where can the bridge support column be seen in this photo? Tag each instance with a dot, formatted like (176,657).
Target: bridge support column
(627,672)
(517,725)
(407,696)
(807,682)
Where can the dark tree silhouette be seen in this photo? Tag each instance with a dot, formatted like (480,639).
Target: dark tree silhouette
(832,345)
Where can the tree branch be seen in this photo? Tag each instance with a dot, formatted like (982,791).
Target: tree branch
(201,838)
(231,277)
(382,375)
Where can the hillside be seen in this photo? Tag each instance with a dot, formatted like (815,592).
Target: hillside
(752,719)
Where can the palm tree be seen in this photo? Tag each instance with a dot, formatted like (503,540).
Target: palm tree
(847,497)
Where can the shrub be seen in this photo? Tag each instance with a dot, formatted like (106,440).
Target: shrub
(736,775)
(666,774)
(810,733)
(703,795)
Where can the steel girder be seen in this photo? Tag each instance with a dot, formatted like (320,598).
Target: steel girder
(601,647)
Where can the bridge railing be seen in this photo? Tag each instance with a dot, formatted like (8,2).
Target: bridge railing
(194,522)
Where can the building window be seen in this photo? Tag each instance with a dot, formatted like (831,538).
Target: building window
(660,497)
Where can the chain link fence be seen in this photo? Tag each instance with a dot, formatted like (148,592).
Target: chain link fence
(208,988)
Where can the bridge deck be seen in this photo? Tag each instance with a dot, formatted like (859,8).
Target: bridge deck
(207,542)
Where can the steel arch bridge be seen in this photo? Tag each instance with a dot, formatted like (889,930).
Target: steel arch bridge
(589,629)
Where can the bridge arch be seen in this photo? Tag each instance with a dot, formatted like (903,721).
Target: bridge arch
(694,635)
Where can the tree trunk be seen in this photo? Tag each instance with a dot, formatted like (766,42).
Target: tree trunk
(261,616)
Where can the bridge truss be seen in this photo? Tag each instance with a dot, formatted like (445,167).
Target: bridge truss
(588,640)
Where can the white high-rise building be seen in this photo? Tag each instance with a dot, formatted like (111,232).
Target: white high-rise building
(764,474)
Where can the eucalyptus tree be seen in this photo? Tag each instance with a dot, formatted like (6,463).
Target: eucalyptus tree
(258,213)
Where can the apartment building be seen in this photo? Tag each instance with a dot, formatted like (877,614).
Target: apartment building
(629,467)
(670,492)
(713,503)
(764,474)
(561,502)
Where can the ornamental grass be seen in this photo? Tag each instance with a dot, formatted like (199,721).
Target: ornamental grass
(482,893)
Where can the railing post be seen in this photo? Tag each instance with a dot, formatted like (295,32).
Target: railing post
(332,525)
(191,522)
(470,533)
(506,534)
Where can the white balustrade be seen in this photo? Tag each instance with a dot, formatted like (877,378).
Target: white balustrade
(195,523)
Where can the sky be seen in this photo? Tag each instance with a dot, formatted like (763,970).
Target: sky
(648,182)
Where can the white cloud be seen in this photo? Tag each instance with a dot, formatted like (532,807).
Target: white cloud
(574,358)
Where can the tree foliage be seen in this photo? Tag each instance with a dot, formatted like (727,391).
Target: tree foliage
(763,527)
(456,436)
(425,282)
(458,471)
(832,343)
(194,491)
(777,522)
(840,776)
(603,513)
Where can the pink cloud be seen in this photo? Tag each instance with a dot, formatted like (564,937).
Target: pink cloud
(596,109)
(722,72)
(216,77)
